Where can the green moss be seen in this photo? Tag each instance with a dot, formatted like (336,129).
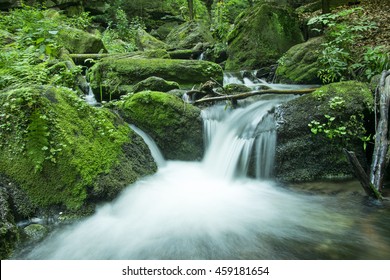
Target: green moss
(299,64)
(174,125)
(262,36)
(108,74)
(78,41)
(80,144)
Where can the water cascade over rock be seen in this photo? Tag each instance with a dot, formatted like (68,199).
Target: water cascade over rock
(211,210)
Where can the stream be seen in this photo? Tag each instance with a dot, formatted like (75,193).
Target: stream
(212,210)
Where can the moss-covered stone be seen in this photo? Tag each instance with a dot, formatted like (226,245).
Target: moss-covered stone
(155,84)
(174,125)
(299,65)
(148,42)
(14,206)
(35,232)
(261,36)
(302,155)
(78,41)
(110,74)
(8,230)
(62,152)
(188,35)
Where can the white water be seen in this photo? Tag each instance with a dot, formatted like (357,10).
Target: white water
(90,97)
(249,79)
(200,210)
(154,150)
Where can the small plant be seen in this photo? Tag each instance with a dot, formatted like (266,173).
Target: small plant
(338,59)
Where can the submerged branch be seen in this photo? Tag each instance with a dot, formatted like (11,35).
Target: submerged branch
(252,93)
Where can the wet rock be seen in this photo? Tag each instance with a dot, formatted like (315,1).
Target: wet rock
(66,153)
(35,232)
(307,153)
(175,126)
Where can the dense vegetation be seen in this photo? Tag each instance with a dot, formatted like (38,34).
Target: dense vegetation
(59,153)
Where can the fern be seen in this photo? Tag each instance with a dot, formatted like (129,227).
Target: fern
(37,142)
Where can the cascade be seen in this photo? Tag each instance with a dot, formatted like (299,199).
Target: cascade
(155,151)
(212,210)
(229,143)
(90,97)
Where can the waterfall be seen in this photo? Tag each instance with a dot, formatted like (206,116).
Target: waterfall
(90,97)
(211,209)
(230,143)
(155,151)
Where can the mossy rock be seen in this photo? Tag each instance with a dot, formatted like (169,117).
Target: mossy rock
(14,206)
(261,36)
(302,155)
(235,88)
(109,75)
(8,231)
(78,41)
(155,84)
(188,35)
(65,153)
(299,65)
(148,42)
(175,126)
(35,232)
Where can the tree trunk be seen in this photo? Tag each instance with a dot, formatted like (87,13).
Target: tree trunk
(191,9)
(373,183)
(325,6)
(378,164)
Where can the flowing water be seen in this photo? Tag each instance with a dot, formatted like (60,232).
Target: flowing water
(213,210)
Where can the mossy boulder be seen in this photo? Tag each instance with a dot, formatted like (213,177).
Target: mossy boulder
(175,126)
(188,35)
(78,41)
(299,65)
(35,232)
(148,42)
(313,130)
(64,153)
(113,77)
(261,36)
(155,84)
(8,231)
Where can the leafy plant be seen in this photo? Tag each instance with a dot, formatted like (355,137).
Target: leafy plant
(338,58)
(334,127)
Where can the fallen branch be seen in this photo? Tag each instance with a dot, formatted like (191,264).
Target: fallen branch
(252,93)
(362,176)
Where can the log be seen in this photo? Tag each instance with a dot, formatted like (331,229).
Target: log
(362,176)
(252,93)
(379,161)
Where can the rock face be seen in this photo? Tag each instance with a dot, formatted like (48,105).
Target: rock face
(261,36)
(299,65)
(64,153)
(305,155)
(188,35)
(114,77)
(175,126)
